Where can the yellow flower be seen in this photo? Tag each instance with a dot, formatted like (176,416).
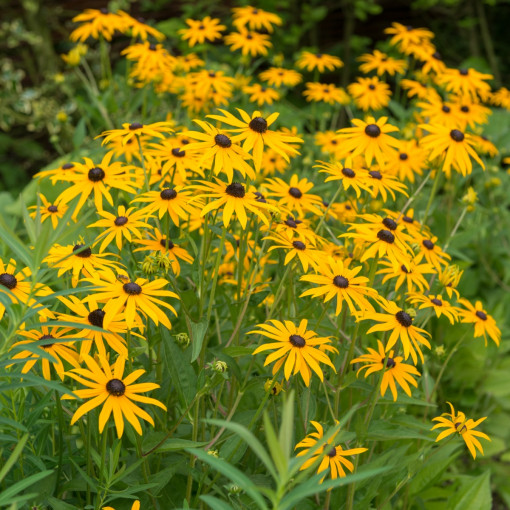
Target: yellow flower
(320,61)
(98,23)
(456,422)
(278,76)
(326,92)
(466,82)
(107,386)
(260,94)
(199,31)
(248,42)
(300,349)
(255,18)
(135,506)
(437,303)
(381,63)
(46,210)
(394,370)
(129,131)
(370,93)
(484,323)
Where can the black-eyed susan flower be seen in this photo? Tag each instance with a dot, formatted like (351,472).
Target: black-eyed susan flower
(47,209)
(329,143)
(295,195)
(409,161)
(171,201)
(98,179)
(200,31)
(255,134)
(108,386)
(395,371)
(299,348)
(135,129)
(501,97)
(90,314)
(218,151)
(320,61)
(381,63)
(400,323)
(254,18)
(306,252)
(128,298)
(66,168)
(484,146)
(417,89)
(126,224)
(449,277)
(384,184)
(466,82)
(456,422)
(485,325)
(352,175)
(332,456)
(52,343)
(260,94)
(158,242)
(370,139)
(249,42)
(334,279)
(98,23)
(152,62)
(409,272)
(325,92)
(437,303)
(437,111)
(278,76)
(453,146)
(403,36)
(16,286)
(78,259)
(139,28)
(369,93)
(470,113)
(432,252)
(233,198)
(295,227)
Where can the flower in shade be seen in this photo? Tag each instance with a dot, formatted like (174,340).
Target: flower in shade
(300,349)
(400,323)
(135,129)
(484,323)
(50,340)
(371,139)
(337,280)
(234,198)
(127,298)
(126,224)
(108,386)
(331,456)
(199,31)
(255,134)
(255,18)
(454,147)
(78,258)
(456,422)
(249,42)
(370,93)
(320,61)
(47,209)
(394,370)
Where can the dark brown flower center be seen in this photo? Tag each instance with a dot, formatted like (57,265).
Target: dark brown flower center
(249,37)
(437,302)
(349,172)
(178,153)
(295,192)
(104,10)
(403,156)
(371,87)
(258,124)
(152,47)
(83,253)
(389,223)
(223,141)
(437,55)
(259,197)
(463,72)
(386,236)
(115,387)
(299,245)
(52,208)
(428,244)
(341,282)
(120,221)
(96,317)
(166,243)
(134,126)
(372,130)
(47,337)
(297,341)
(481,315)
(446,109)
(464,109)
(407,219)
(96,174)
(390,363)
(291,222)
(8,280)
(332,452)
(67,166)
(456,135)
(404,268)
(404,318)
(132,288)
(375,174)
(235,189)
(168,194)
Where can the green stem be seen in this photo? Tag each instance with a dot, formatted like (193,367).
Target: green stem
(431,197)
(145,174)
(60,418)
(215,273)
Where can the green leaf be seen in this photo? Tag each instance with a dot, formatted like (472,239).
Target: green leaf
(286,432)
(215,503)
(13,457)
(57,504)
(198,330)
(475,494)
(180,444)
(234,475)
(237,350)
(11,494)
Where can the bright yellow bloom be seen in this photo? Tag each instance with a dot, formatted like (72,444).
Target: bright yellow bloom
(199,31)
(320,61)
(47,209)
(248,42)
(98,23)
(370,93)
(326,92)
(261,95)
(437,303)
(381,63)
(300,349)
(466,82)
(255,18)
(278,76)
(484,323)
(129,131)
